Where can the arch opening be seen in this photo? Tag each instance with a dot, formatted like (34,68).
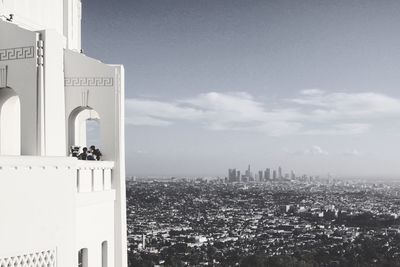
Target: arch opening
(104,254)
(83,258)
(10,122)
(84,129)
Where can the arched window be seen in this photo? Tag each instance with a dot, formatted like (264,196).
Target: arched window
(104,254)
(83,258)
(84,128)
(10,122)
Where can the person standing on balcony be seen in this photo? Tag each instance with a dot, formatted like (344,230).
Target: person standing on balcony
(84,154)
(95,152)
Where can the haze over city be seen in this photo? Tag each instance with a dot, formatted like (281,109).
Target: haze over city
(213,85)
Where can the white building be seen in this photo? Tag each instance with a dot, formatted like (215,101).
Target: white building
(56,210)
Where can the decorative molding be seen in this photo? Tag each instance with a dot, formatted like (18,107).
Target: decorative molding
(36,259)
(3,77)
(17,53)
(85,98)
(89,81)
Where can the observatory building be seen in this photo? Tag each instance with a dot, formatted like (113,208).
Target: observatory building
(56,210)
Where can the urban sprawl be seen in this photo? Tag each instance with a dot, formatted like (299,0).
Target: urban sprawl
(256,221)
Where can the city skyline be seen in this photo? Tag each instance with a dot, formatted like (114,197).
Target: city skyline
(263,175)
(213,84)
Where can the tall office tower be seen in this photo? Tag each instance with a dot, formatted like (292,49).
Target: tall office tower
(238,176)
(274,175)
(249,175)
(260,176)
(280,172)
(57,210)
(232,175)
(248,171)
(292,175)
(267,174)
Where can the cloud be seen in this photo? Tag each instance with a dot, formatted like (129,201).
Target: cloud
(313,151)
(347,105)
(312,112)
(340,129)
(353,152)
(214,111)
(311,92)
(157,113)
(143,120)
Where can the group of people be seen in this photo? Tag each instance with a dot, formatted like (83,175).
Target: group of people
(92,153)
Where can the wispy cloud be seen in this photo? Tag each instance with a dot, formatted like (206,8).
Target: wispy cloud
(352,152)
(311,92)
(314,150)
(311,112)
(339,129)
(330,106)
(157,113)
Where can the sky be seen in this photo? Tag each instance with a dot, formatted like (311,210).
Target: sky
(311,86)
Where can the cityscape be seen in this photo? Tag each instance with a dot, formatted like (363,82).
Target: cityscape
(293,221)
(235,175)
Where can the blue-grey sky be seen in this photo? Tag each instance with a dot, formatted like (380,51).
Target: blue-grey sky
(214,84)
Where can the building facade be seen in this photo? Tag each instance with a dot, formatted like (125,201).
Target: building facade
(57,210)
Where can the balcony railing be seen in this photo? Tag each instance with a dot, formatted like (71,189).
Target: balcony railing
(3,77)
(94,176)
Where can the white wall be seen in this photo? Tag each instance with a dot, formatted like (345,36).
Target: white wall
(35,14)
(38,207)
(95,211)
(72,24)
(120,183)
(63,16)
(95,224)
(24,43)
(101,87)
(41,91)
(53,95)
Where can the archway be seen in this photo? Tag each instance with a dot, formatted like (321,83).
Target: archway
(104,254)
(84,128)
(83,257)
(10,122)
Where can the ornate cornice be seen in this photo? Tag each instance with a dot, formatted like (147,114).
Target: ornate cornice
(89,81)
(17,53)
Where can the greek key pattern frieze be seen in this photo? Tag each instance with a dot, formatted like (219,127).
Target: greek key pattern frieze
(17,53)
(89,81)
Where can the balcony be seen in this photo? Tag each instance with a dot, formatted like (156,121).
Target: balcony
(94,176)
